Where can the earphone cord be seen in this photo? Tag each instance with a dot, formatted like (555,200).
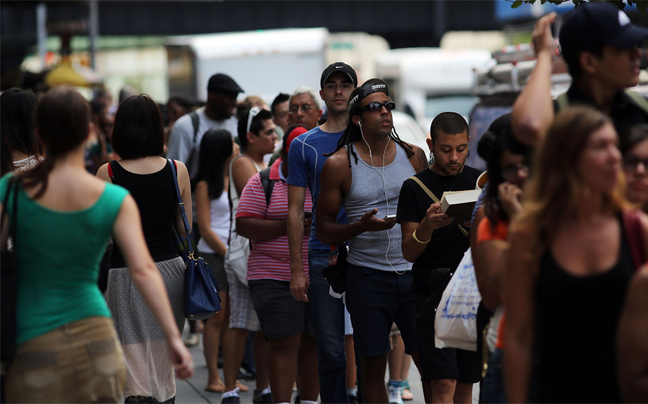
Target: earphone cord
(382,175)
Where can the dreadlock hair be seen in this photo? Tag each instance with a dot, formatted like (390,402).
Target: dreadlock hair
(353,132)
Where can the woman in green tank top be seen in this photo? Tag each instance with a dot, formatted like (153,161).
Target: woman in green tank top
(67,350)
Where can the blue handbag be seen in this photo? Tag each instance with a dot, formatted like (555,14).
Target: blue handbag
(201,290)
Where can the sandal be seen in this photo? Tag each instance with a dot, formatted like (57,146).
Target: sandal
(242,387)
(218,387)
(406,395)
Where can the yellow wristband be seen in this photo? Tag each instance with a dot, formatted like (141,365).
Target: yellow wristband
(419,241)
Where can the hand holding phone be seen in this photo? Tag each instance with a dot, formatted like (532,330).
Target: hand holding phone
(387,217)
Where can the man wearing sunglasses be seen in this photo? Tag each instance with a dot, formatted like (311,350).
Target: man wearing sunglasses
(364,176)
(306,157)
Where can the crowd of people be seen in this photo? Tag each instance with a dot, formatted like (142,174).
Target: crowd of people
(280,195)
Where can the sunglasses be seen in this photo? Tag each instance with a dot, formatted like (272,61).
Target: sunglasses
(633,162)
(376,106)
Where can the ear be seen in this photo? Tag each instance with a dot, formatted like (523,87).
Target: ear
(355,119)
(430,143)
(588,62)
(319,115)
(251,137)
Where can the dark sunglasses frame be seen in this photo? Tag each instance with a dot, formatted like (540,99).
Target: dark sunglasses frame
(376,106)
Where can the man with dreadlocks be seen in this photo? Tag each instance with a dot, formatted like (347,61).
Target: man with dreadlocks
(364,175)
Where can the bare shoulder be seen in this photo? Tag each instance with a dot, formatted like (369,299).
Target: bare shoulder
(418,160)
(338,161)
(102,172)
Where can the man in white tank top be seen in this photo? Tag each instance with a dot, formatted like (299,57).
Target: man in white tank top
(365,175)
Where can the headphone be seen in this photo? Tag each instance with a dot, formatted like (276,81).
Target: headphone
(359,123)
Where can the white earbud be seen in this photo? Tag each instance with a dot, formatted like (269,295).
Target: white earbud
(359,123)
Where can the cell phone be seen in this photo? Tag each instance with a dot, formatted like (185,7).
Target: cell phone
(389,217)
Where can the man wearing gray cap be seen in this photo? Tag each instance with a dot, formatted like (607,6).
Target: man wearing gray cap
(599,45)
(218,113)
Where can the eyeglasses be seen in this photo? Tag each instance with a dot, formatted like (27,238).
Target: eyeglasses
(510,171)
(632,163)
(304,107)
(376,106)
(254,111)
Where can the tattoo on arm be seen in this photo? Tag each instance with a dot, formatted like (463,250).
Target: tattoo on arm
(422,160)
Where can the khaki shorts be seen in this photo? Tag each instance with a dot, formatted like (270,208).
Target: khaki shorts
(79,362)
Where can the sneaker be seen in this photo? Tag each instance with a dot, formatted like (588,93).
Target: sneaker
(190,340)
(353,399)
(260,398)
(231,400)
(394,394)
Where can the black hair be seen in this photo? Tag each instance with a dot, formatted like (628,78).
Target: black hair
(182,101)
(488,140)
(17,125)
(215,149)
(62,118)
(448,122)
(353,132)
(504,140)
(279,99)
(635,135)
(138,130)
(255,126)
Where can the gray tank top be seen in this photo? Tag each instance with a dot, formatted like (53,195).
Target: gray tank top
(377,187)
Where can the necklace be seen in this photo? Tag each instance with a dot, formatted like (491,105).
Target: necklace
(442,183)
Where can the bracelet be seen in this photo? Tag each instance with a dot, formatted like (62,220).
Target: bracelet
(419,241)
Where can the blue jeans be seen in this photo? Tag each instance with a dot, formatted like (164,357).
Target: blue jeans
(328,313)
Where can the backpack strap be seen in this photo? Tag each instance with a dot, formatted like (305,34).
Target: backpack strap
(435,199)
(638,99)
(562,101)
(267,184)
(634,236)
(195,122)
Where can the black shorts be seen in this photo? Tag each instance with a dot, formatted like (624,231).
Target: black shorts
(279,313)
(446,363)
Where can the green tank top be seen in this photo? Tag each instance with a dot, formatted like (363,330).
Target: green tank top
(58,260)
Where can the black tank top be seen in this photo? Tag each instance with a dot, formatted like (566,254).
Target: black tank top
(157,200)
(575,327)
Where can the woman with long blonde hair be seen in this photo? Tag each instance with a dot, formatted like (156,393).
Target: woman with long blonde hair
(569,267)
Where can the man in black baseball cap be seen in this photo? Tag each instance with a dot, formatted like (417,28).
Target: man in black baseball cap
(306,158)
(599,45)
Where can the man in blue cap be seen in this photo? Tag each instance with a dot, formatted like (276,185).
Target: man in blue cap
(599,45)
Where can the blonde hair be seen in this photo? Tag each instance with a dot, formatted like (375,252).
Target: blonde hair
(556,189)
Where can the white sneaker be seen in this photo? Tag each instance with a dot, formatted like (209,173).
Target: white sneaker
(394,394)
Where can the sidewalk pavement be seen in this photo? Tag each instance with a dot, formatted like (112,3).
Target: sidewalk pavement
(192,391)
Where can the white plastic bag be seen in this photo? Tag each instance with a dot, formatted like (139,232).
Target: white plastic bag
(455,323)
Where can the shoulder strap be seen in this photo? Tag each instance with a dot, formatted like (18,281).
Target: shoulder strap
(634,235)
(110,171)
(435,199)
(186,240)
(639,99)
(426,189)
(195,121)
(267,184)
(562,101)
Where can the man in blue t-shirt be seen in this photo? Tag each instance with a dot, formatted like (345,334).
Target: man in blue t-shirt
(306,158)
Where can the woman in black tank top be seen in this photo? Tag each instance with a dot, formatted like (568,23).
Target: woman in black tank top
(569,267)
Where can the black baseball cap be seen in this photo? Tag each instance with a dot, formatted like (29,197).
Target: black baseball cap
(223,82)
(368,87)
(593,25)
(339,67)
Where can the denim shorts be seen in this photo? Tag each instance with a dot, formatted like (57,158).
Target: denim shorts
(376,300)
(78,362)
